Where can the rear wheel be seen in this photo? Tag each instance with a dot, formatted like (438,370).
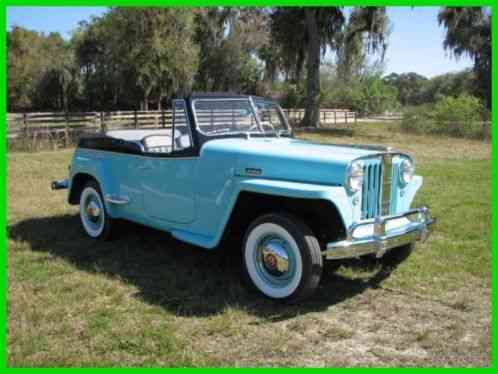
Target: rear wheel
(282,257)
(94,218)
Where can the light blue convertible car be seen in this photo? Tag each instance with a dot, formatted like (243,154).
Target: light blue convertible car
(229,165)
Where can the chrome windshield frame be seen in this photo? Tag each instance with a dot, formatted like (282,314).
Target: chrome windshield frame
(281,113)
(254,112)
(194,112)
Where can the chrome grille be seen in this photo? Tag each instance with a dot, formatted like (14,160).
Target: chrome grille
(377,179)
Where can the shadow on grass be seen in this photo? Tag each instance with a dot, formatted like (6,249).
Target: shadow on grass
(184,279)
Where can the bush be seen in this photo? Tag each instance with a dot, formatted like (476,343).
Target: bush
(460,116)
(365,95)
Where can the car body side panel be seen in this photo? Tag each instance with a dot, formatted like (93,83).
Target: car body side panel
(168,186)
(216,185)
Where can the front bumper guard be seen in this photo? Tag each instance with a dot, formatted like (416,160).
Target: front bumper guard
(417,229)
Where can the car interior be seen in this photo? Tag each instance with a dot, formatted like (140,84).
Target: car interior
(155,140)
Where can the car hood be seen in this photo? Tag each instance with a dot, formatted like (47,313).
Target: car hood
(288,159)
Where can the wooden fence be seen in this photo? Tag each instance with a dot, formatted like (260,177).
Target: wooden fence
(61,128)
(328,117)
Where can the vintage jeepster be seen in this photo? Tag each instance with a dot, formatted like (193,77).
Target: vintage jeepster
(229,166)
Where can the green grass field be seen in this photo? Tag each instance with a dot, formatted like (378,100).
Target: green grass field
(146,299)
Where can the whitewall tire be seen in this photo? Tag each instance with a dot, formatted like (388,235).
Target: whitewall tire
(282,257)
(94,218)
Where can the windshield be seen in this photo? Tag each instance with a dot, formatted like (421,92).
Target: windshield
(230,116)
(270,116)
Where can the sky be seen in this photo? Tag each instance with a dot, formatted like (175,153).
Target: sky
(415,43)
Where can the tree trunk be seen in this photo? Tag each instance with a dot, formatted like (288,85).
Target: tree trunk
(312,109)
(160,98)
(146,102)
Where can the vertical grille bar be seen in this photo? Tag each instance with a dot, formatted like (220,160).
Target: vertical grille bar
(364,193)
(369,197)
(371,191)
(387,171)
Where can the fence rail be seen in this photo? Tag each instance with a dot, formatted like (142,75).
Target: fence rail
(60,128)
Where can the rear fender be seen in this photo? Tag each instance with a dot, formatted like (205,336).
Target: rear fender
(94,165)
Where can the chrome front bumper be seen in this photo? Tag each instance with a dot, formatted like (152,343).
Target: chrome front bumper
(413,226)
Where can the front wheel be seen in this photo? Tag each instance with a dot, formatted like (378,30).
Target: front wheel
(282,257)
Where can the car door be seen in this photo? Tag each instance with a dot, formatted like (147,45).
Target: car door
(167,172)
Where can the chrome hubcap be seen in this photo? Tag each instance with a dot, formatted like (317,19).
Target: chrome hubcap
(275,261)
(275,258)
(93,211)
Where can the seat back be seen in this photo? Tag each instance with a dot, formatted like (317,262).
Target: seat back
(157,143)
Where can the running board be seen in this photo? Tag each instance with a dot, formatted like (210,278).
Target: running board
(118,200)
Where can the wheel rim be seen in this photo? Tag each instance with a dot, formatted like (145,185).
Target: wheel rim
(276,277)
(92,212)
(275,261)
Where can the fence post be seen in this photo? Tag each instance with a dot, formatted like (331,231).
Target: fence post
(66,130)
(25,123)
(163,122)
(102,122)
(346,116)
(335,117)
(211,119)
(354,115)
(135,118)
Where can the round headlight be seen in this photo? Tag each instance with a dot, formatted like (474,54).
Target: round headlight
(354,179)
(406,171)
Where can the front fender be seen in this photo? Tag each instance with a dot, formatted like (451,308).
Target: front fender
(335,194)
(404,198)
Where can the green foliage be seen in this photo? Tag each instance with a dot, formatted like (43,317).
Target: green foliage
(468,32)
(454,116)
(410,87)
(39,69)
(141,52)
(415,89)
(125,57)
(229,39)
(450,84)
(366,94)
(353,47)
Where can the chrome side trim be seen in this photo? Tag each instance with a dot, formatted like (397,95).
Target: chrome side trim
(118,200)
(382,240)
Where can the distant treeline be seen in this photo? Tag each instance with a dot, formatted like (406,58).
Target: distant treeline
(139,58)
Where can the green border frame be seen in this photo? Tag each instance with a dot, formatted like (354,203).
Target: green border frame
(204,3)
